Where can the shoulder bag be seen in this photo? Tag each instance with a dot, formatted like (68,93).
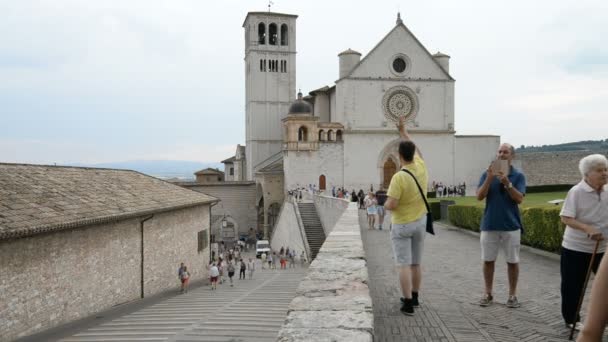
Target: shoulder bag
(429,215)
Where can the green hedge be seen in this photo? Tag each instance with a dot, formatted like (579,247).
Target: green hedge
(548,188)
(542,226)
(431,194)
(465,216)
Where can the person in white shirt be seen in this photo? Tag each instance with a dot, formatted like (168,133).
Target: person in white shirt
(251,267)
(214,274)
(585,214)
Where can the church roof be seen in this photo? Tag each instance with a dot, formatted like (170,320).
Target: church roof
(269,14)
(273,163)
(349,51)
(400,24)
(229,160)
(36,199)
(209,171)
(439,54)
(300,107)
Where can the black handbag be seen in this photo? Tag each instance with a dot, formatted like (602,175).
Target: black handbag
(429,215)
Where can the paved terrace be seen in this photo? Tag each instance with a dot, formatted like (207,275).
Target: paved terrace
(451,286)
(252,310)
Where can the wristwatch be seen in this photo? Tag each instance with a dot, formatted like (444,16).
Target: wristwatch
(510,186)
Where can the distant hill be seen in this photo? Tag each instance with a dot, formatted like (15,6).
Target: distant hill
(164,169)
(591,145)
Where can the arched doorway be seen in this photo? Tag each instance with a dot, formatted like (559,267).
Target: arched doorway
(389,170)
(322,182)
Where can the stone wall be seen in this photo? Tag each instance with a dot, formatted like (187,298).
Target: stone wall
(330,209)
(544,168)
(305,167)
(287,231)
(332,302)
(238,202)
(55,278)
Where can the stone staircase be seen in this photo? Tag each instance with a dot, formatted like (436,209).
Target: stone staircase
(312,226)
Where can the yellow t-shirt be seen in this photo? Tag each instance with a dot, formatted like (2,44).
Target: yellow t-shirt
(403,188)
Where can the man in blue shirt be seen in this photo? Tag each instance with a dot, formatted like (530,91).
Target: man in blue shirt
(501,223)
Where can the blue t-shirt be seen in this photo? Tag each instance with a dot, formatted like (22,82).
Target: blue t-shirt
(501,212)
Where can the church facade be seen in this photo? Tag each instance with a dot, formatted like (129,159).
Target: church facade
(343,135)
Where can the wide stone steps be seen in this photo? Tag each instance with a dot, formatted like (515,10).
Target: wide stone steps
(315,235)
(252,310)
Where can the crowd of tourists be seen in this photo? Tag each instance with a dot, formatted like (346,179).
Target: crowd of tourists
(223,268)
(300,192)
(584,213)
(442,190)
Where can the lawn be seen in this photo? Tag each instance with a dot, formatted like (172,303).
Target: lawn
(531,200)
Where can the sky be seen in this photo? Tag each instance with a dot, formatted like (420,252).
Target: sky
(115,80)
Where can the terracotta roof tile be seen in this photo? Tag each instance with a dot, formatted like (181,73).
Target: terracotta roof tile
(40,198)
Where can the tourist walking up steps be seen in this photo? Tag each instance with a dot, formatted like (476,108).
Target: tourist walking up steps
(251,267)
(269,258)
(585,214)
(214,274)
(501,223)
(231,272)
(243,269)
(408,218)
(180,270)
(185,277)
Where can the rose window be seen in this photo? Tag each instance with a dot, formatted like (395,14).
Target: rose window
(400,101)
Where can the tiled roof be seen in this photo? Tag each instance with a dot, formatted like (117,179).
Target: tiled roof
(209,171)
(229,160)
(38,198)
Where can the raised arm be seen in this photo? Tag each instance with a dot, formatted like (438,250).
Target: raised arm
(403,133)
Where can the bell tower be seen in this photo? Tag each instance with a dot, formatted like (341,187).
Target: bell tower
(270,82)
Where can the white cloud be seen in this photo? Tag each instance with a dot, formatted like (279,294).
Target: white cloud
(140,65)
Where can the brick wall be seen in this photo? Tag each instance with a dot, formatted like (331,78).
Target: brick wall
(50,279)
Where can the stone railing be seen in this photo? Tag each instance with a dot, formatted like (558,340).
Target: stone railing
(332,302)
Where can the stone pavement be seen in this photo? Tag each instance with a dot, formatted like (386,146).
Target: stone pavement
(252,310)
(452,284)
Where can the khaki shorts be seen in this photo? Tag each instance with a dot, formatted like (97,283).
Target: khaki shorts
(408,241)
(508,241)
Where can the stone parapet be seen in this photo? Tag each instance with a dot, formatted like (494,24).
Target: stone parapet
(332,302)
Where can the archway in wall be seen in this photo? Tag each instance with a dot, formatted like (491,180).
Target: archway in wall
(389,170)
(322,182)
(303,134)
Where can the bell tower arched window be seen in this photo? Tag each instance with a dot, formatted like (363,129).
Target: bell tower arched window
(273,34)
(302,134)
(284,34)
(261,33)
(338,135)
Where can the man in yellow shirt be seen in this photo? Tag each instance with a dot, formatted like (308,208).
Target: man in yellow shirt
(408,218)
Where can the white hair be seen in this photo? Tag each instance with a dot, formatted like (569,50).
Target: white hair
(591,162)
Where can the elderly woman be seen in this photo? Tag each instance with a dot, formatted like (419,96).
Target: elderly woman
(585,214)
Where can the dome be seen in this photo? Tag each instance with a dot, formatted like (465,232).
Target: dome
(300,107)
